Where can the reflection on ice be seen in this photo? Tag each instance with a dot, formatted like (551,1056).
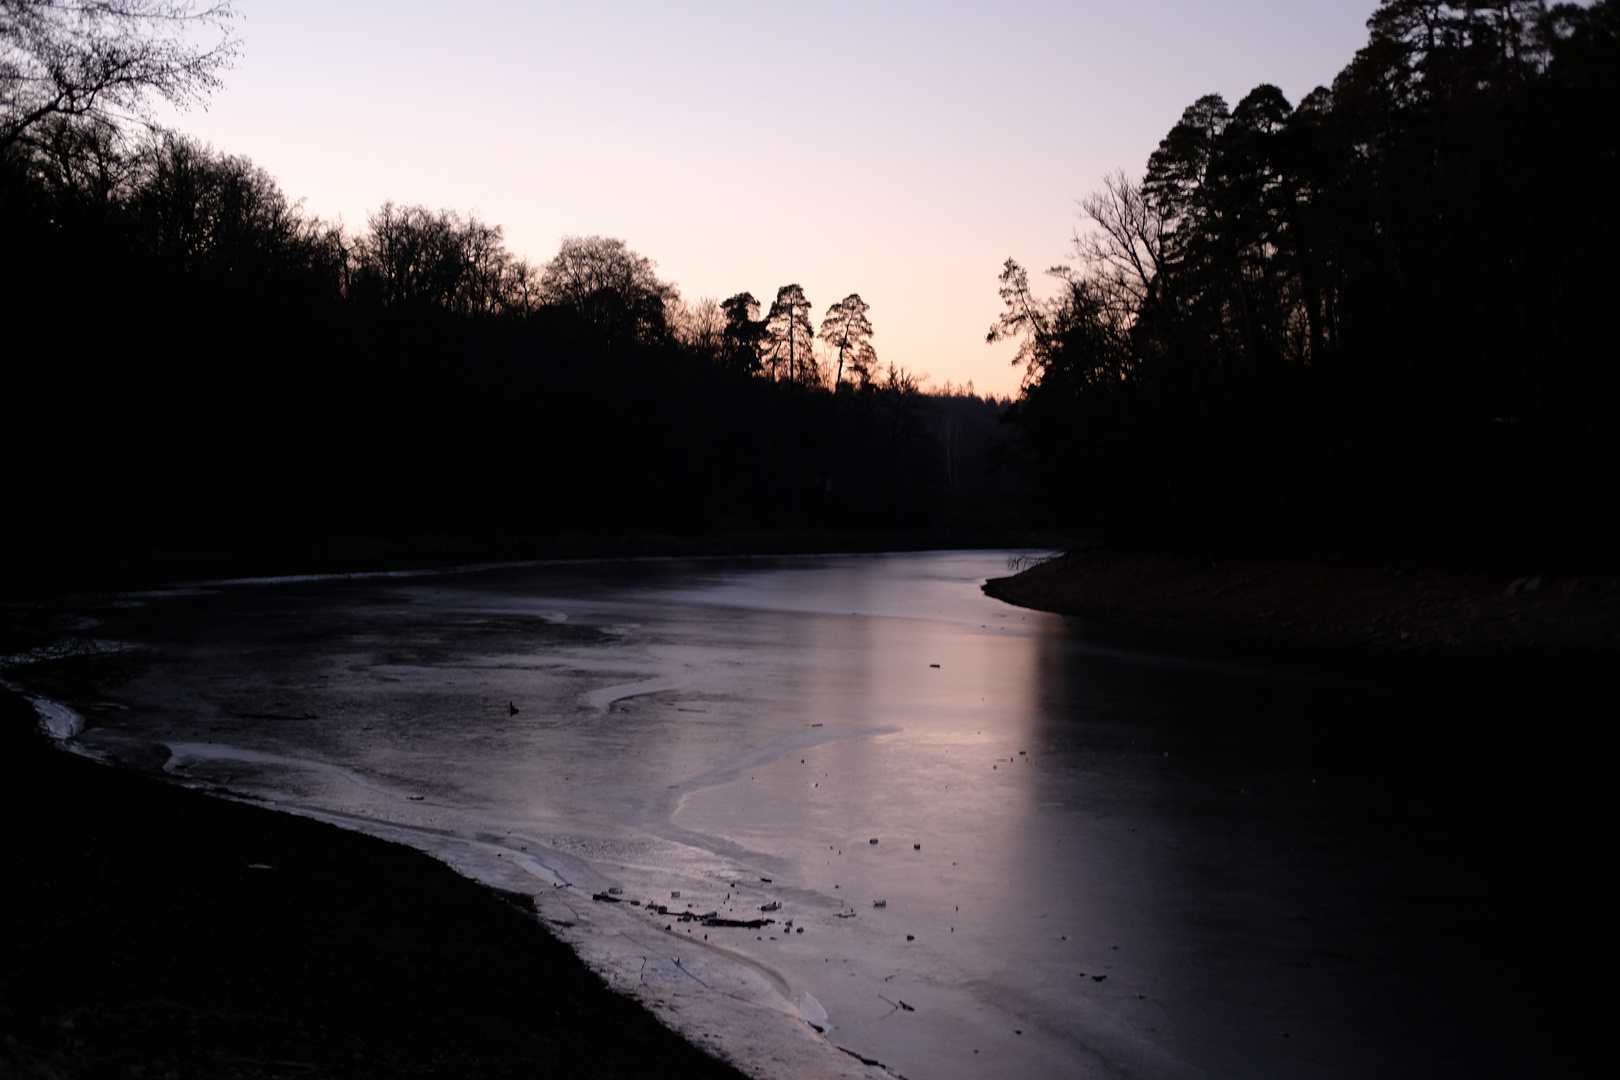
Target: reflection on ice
(703,728)
(726,739)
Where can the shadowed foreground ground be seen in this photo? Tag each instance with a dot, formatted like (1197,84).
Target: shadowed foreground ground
(137,938)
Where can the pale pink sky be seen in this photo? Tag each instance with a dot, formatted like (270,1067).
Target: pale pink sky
(898,150)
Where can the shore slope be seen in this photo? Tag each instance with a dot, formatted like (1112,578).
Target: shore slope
(1389,609)
(147,929)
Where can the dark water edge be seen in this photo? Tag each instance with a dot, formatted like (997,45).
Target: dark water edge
(40,572)
(1480,783)
(146,929)
(1429,610)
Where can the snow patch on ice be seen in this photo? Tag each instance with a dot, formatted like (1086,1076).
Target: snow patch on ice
(57,720)
(607,695)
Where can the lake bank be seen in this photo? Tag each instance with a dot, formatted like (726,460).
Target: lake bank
(1411,609)
(150,927)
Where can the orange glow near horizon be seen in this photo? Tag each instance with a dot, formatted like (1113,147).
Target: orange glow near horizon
(901,151)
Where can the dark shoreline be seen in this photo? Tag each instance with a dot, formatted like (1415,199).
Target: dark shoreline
(38,574)
(1408,607)
(143,935)
(1415,611)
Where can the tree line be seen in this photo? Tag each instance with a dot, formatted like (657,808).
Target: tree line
(191,354)
(1377,318)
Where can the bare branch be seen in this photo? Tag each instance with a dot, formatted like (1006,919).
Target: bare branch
(106,59)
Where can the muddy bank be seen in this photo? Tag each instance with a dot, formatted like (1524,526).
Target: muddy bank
(1409,608)
(153,930)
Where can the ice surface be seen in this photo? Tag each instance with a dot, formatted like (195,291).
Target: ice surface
(58,721)
(1062,898)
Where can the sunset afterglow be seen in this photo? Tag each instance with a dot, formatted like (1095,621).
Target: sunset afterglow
(899,150)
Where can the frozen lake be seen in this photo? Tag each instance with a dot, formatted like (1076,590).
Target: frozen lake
(989,841)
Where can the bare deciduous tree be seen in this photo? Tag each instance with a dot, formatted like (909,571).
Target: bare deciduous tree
(106,59)
(699,325)
(1122,252)
(1120,259)
(608,285)
(413,256)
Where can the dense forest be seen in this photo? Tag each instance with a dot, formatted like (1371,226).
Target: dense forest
(189,354)
(1371,320)
(1380,318)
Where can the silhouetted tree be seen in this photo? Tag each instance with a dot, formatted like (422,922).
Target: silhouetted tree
(1366,316)
(205,214)
(412,257)
(789,338)
(699,326)
(609,286)
(86,162)
(902,390)
(744,334)
(253,371)
(104,60)
(1121,249)
(846,328)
